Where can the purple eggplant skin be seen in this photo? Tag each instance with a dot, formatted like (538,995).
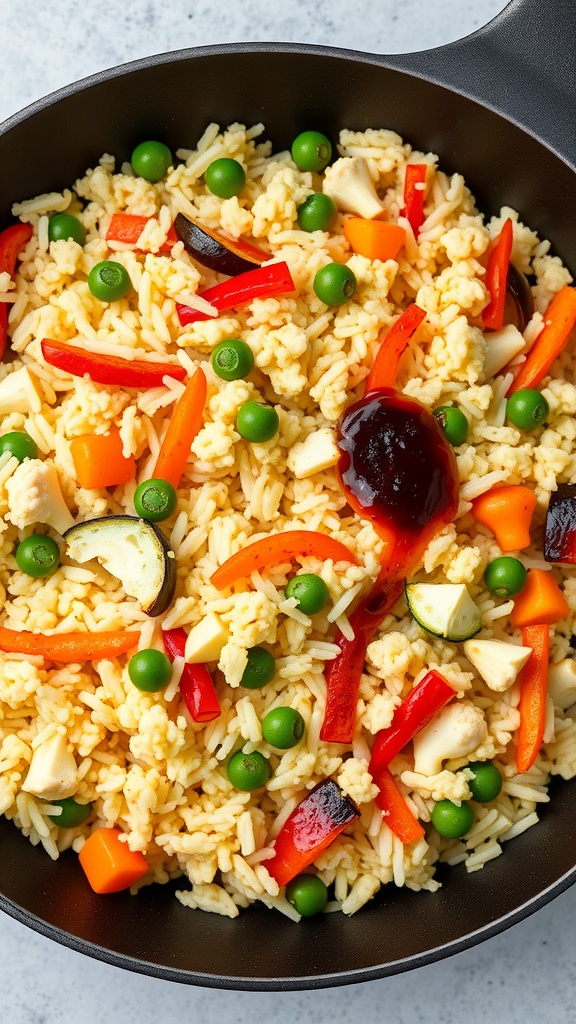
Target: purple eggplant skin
(560,526)
(211,251)
(519,299)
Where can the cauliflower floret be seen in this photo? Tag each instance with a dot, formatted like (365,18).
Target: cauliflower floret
(158,738)
(355,780)
(454,731)
(20,392)
(34,496)
(348,182)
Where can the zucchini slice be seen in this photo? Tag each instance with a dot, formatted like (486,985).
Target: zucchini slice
(444,609)
(134,550)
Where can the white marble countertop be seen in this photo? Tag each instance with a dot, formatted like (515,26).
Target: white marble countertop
(525,974)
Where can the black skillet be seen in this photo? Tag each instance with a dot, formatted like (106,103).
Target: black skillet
(498,107)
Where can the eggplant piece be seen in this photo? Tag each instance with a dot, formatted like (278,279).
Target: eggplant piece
(134,550)
(560,526)
(215,251)
(519,307)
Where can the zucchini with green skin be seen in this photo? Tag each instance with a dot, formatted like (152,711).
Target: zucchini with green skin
(134,550)
(445,610)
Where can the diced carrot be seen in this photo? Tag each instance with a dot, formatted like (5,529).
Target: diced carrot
(533,680)
(560,320)
(185,423)
(540,602)
(109,864)
(374,239)
(507,511)
(395,810)
(99,460)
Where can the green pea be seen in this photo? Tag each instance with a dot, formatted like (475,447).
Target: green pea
(150,670)
(487,781)
(283,728)
(452,821)
(317,213)
(19,444)
(308,894)
(260,669)
(256,422)
(109,281)
(155,500)
(232,359)
(73,813)
(527,409)
(311,151)
(225,177)
(65,226)
(248,771)
(454,424)
(151,160)
(505,576)
(334,284)
(38,556)
(310,592)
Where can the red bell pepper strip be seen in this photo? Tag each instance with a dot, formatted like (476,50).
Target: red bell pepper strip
(533,679)
(315,823)
(273,279)
(395,810)
(414,193)
(497,277)
(560,320)
(12,241)
(415,711)
(127,228)
(393,343)
(196,684)
(277,548)
(106,369)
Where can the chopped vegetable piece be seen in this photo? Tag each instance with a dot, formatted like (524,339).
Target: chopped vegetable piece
(444,609)
(248,771)
(315,823)
(393,344)
(374,239)
(68,647)
(533,691)
(335,284)
(106,369)
(307,894)
(497,277)
(452,820)
(185,423)
(395,810)
(38,556)
(109,864)
(151,160)
(560,528)
(206,640)
(99,460)
(65,226)
(560,320)
(414,194)
(507,511)
(127,228)
(541,601)
(12,242)
(196,684)
(155,500)
(216,251)
(133,550)
(496,662)
(527,409)
(453,422)
(109,281)
(519,305)
(72,815)
(273,279)
(256,422)
(505,576)
(415,711)
(487,781)
(150,670)
(283,728)
(19,444)
(276,548)
(311,151)
(310,591)
(225,177)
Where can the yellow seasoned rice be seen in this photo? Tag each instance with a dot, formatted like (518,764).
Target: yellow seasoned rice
(139,758)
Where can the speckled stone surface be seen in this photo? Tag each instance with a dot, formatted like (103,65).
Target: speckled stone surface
(526,974)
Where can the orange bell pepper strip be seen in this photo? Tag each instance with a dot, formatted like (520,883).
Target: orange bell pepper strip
(374,239)
(68,647)
(560,320)
(99,460)
(127,228)
(540,601)
(507,511)
(185,424)
(109,864)
(107,369)
(395,810)
(277,548)
(414,193)
(393,343)
(533,679)
(12,241)
(497,277)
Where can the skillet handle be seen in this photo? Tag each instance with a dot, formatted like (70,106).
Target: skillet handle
(522,64)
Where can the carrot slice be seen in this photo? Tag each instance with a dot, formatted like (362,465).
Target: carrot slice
(533,679)
(541,601)
(109,864)
(374,239)
(185,423)
(507,511)
(393,343)
(279,547)
(395,810)
(68,647)
(99,460)
(497,277)
(560,320)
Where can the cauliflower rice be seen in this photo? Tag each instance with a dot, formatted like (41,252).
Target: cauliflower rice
(139,758)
